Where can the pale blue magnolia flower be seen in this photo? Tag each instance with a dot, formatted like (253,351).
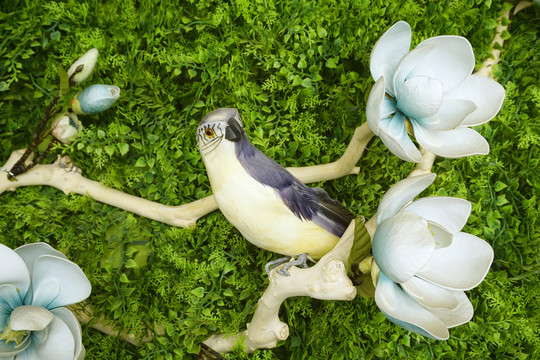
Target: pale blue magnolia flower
(426,262)
(36,282)
(429,91)
(95,99)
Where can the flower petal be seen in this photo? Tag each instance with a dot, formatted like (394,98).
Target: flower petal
(71,321)
(405,312)
(401,193)
(419,97)
(59,344)
(373,107)
(452,307)
(4,314)
(487,94)
(388,107)
(11,348)
(10,298)
(30,252)
(18,274)
(30,317)
(451,60)
(455,143)
(451,114)
(388,51)
(73,286)
(394,135)
(442,237)
(430,295)
(44,293)
(460,315)
(405,67)
(450,212)
(460,266)
(402,245)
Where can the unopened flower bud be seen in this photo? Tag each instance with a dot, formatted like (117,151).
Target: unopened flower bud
(83,67)
(95,99)
(66,127)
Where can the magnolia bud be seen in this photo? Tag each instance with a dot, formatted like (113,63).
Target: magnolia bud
(95,99)
(83,67)
(66,127)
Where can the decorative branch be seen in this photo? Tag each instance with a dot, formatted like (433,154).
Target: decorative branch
(85,315)
(65,176)
(327,280)
(344,166)
(497,43)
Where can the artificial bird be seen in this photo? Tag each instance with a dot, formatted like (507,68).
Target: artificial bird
(270,207)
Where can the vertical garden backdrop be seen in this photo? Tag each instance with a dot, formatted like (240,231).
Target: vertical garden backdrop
(298,72)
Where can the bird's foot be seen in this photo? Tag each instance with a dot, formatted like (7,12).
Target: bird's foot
(301,260)
(274,264)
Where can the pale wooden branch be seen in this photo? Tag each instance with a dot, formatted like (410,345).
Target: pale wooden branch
(327,280)
(62,175)
(85,315)
(497,43)
(344,166)
(424,166)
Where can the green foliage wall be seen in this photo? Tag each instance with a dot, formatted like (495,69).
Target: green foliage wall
(298,71)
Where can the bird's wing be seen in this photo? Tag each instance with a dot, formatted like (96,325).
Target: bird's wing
(305,202)
(301,199)
(332,215)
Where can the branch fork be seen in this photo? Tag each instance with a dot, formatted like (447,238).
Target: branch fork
(326,280)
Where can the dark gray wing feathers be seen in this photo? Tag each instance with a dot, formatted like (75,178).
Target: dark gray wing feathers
(332,213)
(305,202)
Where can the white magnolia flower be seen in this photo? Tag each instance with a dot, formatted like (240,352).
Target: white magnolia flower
(430,92)
(36,283)
(95,99)
(83,67)
(426,262)
(66,127)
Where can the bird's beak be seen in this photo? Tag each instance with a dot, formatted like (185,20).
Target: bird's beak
(234,130)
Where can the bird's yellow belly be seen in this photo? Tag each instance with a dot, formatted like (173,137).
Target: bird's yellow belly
(262,217)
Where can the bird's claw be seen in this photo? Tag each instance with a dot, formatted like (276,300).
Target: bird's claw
(275,263)
(301,260)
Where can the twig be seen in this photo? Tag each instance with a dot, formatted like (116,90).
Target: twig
(61,176)
(19,166)
(327,280)
(85,315)
(497,43)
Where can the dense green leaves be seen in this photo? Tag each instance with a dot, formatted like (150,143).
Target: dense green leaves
(298,71)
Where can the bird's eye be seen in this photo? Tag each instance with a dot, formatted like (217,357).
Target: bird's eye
(209,132)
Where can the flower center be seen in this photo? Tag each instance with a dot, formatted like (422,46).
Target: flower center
(9,335)
(420,97)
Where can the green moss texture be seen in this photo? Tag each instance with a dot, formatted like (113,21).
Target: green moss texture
(298,71)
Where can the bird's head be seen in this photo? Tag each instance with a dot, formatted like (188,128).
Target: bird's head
(223,124)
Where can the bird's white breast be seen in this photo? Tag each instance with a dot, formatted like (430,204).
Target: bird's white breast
(258,212)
